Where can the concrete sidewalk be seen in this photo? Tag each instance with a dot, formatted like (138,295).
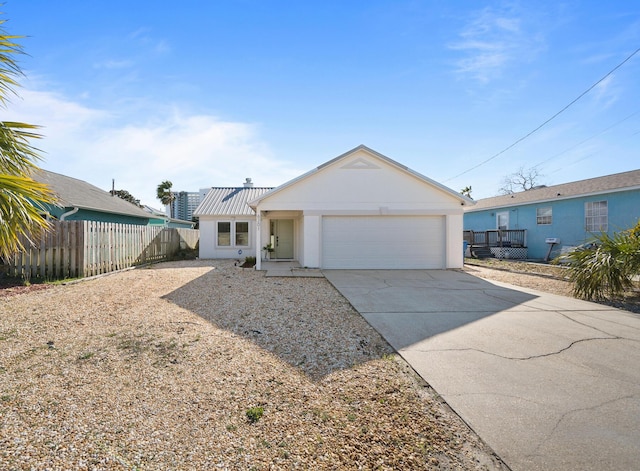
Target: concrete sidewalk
(549,382)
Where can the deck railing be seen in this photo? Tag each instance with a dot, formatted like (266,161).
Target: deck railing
(497,238)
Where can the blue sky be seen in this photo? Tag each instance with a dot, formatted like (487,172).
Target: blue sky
(207,93)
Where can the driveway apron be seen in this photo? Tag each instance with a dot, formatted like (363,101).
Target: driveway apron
(548,382)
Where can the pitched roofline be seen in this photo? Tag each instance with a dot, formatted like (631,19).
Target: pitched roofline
(463,199)
(505,203)
(67,203)
(552,199)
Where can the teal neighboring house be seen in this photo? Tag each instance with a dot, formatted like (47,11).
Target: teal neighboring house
(82,201)
(556,218)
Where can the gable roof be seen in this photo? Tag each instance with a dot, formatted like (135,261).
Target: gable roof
(229,201)
(593,186)
(74,193)
(463,199)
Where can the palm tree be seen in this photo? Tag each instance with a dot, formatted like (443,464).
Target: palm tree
(22,199)
(165,195)
(607,266)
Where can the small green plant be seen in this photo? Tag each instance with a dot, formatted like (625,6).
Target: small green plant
(268,248)
(254,414)
(86,356)
(250,260)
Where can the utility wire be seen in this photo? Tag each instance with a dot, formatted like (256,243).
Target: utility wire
(587,139)
(548,120)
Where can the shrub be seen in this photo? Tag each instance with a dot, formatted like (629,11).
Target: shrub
(250,260)
(254,414)
(606,267)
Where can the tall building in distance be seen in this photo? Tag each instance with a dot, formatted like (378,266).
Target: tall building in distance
(186,203)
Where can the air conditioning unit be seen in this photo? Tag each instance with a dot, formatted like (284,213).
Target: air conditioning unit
(552,240)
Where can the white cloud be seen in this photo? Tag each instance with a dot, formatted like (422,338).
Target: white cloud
(606,93)
(192,150)
(493,40)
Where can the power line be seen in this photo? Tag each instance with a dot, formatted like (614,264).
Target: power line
(587,139)
(548,120)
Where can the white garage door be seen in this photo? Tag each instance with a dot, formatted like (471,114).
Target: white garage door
(383,242)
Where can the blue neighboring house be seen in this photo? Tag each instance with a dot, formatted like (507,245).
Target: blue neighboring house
(570,213)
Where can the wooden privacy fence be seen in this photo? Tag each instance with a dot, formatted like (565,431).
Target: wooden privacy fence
(77,249)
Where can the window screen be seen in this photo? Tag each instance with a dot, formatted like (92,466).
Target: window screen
(242,233)
(224,233)
(596,216)
(544,216)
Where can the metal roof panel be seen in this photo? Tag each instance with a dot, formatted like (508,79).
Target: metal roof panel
(229,201)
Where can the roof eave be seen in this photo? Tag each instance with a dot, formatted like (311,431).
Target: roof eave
(551,199)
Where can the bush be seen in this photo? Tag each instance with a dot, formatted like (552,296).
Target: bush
(605,268)
(254,414)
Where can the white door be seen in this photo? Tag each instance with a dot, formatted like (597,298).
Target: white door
(379,242)
(282,236)
(502,220)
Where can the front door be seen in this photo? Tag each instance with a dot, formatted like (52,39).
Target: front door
(502,220)
(282,238)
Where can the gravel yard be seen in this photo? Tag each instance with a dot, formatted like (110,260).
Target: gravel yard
(156,368)
(542,277)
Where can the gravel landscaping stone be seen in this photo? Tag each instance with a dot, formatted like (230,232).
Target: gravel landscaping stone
(166,367)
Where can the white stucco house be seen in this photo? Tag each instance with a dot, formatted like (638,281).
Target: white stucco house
(227,222)
(360,210)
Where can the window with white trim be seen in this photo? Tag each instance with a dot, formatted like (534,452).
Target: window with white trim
(242,234)
(596,216)
(544,216)
(224,234)
(233,234)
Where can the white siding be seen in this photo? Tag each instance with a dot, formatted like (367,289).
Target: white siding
(208,239)
(378,242)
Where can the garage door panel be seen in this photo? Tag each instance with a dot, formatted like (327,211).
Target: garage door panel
(383,242)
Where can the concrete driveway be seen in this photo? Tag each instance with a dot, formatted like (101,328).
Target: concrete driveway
(549,382)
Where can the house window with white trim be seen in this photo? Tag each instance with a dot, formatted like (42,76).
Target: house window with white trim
(544,216)
(224,234)
(596,216)
(242,234)
(233,234)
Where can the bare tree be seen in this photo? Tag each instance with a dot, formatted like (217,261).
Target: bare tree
(521,180)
